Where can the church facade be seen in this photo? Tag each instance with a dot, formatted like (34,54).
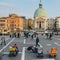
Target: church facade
(40,19)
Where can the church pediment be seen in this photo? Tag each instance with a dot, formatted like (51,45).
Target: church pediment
(40,19)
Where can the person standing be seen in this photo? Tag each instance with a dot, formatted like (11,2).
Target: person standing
(50,37)
(3,41)
(32,36)
(37,41)
(16,47)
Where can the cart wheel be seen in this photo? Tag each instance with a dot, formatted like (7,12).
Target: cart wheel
(49,56)
(14,54)
(55,56)
(42,56)
(37,56)
(9,55)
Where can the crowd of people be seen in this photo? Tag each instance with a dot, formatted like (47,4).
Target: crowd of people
(34,35)
(49,35)
(14,49)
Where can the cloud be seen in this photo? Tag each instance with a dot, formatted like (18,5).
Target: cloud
(34,0)
(6,8)
(31,0)
(6,4)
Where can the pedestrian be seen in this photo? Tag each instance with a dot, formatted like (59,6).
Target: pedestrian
(50,37)
(35,34)
(32,36)
(18,35)
(24,34)
(16,47)
(3,41)
(37,41)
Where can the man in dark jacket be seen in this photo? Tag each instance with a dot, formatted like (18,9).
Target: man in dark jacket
(50,37)
(37,41)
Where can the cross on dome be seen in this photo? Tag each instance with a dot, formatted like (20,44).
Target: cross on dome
(40,5)
(40,1)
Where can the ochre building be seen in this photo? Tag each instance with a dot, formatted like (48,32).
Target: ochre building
(11,23)
(30,22)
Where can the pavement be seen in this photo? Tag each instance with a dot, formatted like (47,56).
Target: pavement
(24,43)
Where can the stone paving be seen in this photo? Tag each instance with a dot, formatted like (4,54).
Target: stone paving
(24,43)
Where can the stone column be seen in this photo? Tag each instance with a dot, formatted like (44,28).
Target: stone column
(45,25)
(35,24)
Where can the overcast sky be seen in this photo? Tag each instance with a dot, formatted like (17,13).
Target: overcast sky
(28,7)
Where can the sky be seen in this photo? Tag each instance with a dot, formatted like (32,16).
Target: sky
(28,7)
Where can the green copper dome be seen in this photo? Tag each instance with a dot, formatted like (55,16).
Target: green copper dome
(40,12)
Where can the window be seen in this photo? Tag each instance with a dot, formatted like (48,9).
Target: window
(15,24)
(2,20)
(12,21)
(12,25)
(5,30)
(2,24)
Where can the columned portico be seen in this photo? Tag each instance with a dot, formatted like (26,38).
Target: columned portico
(40,24)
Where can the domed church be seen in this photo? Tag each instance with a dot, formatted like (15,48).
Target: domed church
(40,18)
